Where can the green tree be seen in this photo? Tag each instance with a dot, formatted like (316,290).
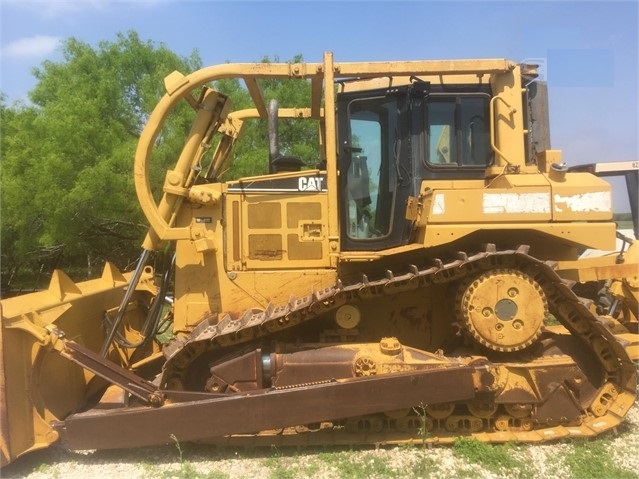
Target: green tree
(67,183)
(19,226)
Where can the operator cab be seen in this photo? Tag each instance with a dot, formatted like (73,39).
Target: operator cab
(392,139)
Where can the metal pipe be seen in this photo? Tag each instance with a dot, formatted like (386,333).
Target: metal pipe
(125,300)
(273,137)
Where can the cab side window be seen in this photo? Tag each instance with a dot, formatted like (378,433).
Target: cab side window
(371,176)
(458,133)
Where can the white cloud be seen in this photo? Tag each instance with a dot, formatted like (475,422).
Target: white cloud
(57,8)
(31,47)
(48,8)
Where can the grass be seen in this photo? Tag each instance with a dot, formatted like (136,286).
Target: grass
(499,459)
(351,464)
(579,459)
(365,465)
(592,459)
(186,470)
(282,466)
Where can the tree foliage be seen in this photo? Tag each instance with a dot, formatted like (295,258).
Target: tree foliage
(67,183)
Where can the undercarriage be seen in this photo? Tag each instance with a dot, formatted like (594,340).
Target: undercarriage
(235,382)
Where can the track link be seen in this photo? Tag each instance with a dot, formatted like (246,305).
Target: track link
(495,423)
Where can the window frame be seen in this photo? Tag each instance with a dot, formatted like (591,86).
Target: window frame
(456,99)
(381,174)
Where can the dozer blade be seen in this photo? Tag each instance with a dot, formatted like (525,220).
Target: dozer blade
(264,409)
(37,384)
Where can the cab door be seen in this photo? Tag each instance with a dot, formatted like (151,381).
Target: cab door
(375,169)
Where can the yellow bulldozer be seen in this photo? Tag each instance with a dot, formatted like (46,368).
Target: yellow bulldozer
(423,279)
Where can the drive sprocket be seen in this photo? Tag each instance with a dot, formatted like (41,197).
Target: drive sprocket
(503,309)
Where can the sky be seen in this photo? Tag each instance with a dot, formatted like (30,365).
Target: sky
(589,49)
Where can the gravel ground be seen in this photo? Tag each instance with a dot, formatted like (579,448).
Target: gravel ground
(198,461)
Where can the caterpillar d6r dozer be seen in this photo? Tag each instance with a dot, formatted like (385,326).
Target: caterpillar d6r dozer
(421,281)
